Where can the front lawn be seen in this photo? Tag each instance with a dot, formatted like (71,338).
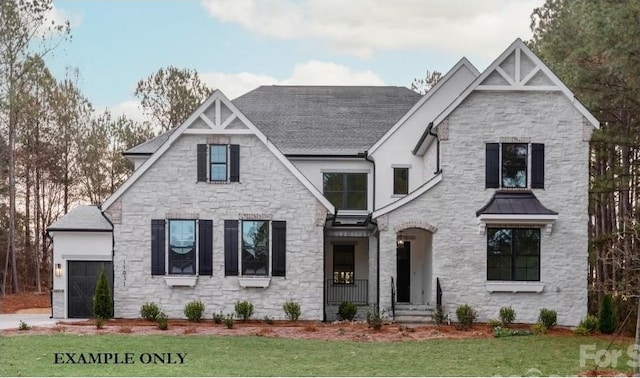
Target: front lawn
(29,355)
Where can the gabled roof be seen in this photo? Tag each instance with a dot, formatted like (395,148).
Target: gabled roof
(150,146)
(82,218)
(462,64)
(514,203)
(216,115)
(325,120)
(516,69)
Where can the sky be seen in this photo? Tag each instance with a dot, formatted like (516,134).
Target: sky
(238,45)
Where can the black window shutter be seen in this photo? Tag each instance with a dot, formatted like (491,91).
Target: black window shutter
(279,248)
(231,248)
(157,247)
(202,162)
(492,178)
(234,176)
(205,247)
(537,166)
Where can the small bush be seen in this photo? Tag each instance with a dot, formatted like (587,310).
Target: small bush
(228,321)
(99,322)
(507,315)
(587,326)
(218,318)
(268,320)
(244,310)
(149,311)
(162,321)
(493,323)
(548,317)
(374,318)
(102,301)
(347,311)
(607,316)
(194,310)
(466,315)
(23,326)
(291,310)
(439,315)
(539,329)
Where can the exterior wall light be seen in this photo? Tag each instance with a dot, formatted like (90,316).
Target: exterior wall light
(58,270)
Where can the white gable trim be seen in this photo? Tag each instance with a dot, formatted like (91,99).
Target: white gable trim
(461,63)
(409,197)
(519,47)
(217,98)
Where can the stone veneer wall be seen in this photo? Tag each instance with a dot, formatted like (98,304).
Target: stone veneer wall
(459,251)
(267,190)
(58,304)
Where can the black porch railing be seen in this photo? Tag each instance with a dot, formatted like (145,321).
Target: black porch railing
(438,292)
(393,299)
(357,292)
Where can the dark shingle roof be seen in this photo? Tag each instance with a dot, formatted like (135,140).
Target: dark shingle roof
(333,120)
(150,146)
(524,202)
(82,218)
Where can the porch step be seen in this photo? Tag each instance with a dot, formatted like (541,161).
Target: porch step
(414,313)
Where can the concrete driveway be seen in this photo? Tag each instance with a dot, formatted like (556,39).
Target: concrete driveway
(12,321)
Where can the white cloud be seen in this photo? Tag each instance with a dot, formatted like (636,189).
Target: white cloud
(58,17)
(309,73)
(362,27)
(130,108)
(236,84)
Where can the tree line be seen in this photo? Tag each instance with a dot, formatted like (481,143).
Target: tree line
(56,150)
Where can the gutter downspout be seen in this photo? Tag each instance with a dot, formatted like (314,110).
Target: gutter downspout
(113,255)
(377,234)
(430,132)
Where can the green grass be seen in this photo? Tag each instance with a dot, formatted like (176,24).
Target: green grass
(259,356)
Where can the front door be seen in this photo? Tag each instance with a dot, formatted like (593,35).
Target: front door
(403,273)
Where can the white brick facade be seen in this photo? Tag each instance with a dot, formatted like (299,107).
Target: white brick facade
(266,187)
(459,252)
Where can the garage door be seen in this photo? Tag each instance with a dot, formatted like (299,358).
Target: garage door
(83,276)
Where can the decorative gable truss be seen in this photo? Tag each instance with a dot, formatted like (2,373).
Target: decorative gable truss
(217,115)
(517,69)
(221,117)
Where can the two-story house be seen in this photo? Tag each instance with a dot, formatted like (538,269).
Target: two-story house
(473,193)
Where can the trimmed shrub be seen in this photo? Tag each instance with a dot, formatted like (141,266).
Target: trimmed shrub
(218,318)
(149,311)
(347,311)
(507,315)
(374,318)
(228,321)
(548,317)
(102,301)
(291,310)
(162,321)
(439,316)
(466,315)
(493,323)
(587,326)
(244,310)
(539,329)
(194,310)
(607,316)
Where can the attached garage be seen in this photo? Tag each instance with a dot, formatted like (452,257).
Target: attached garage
(82,249)
(83,276)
